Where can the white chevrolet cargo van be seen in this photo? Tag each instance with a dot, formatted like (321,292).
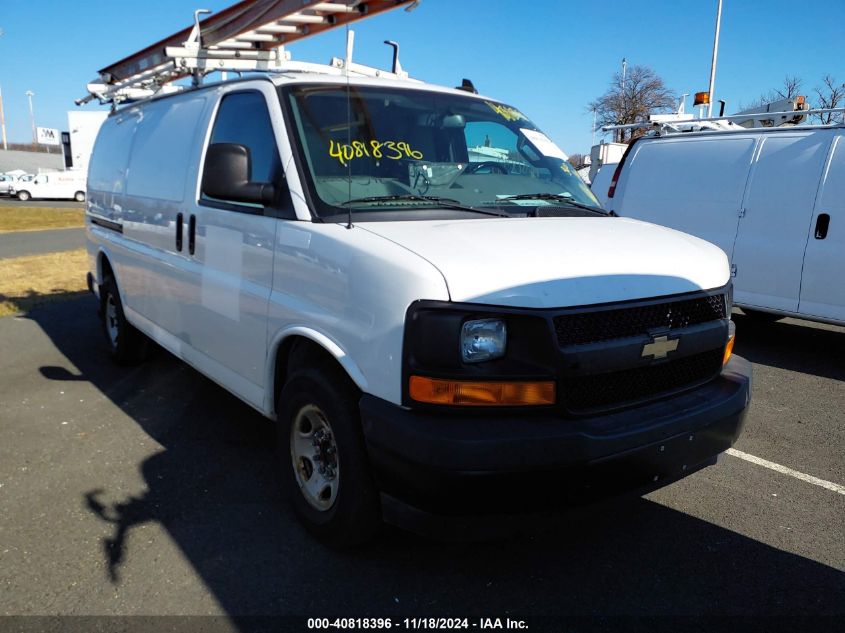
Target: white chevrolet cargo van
(56,185)
(772,199)
(419,290)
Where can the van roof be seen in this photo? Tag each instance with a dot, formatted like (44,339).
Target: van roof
(289,78)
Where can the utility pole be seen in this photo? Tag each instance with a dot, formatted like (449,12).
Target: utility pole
(2,114)
(713,63)
(3,120)
(30,95)
(622,92)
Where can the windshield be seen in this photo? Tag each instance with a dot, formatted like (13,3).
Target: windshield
(374,149)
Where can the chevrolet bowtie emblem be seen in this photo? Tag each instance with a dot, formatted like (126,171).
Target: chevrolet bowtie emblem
(660,347)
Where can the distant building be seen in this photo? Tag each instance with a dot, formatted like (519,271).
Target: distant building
(83,129)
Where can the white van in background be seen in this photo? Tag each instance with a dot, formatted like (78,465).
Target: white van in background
(59,185)
(772,199)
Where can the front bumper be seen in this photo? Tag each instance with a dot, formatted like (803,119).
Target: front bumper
(471,464)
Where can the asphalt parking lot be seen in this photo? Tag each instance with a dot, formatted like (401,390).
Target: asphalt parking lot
(150,490)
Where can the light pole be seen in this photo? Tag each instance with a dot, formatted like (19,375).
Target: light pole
(2,115)
(3,120)
(713,63)
(30,95)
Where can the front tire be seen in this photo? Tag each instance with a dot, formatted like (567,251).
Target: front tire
(127,346)
(79,196)
(322,459)
(24,196)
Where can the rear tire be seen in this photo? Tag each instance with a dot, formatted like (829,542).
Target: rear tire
(79,196)
(24,196)
(127,346)
(322,459)
(758,316)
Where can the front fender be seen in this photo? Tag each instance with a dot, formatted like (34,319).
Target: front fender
(322,339)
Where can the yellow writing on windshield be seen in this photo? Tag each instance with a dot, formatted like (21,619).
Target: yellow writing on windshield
(506,112)
(393,150)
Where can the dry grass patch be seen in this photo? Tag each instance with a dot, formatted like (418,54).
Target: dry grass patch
(28,281)
(39,218)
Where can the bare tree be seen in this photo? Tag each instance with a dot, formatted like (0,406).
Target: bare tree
(790,89)
(830,95)
(643,93)
(576,160)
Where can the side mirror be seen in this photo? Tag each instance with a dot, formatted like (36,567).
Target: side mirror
(226,176)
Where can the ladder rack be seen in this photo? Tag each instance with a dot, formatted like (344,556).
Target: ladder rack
(248,36)
(673,124)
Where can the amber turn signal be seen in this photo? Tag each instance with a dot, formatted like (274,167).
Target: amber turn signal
(729,348)
(481,393)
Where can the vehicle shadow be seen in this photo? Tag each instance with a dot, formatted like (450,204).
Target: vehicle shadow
(792,344)
(213,489)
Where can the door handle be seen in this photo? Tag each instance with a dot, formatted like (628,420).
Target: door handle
(192,233)
(822,224)
(179,232)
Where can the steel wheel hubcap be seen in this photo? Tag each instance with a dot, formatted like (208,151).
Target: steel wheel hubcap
(111,320)
(313,452)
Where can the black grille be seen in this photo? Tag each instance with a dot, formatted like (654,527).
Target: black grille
(604,325)
(602,391)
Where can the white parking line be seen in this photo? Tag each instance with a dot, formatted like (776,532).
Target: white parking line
(828,485)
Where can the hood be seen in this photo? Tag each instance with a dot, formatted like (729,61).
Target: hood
(559,262)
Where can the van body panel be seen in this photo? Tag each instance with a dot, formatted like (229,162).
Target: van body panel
(552,262)
(234,249)
(795,175)
(353,287)
(601,183)
(822,289)
(660,172)
(773,233)
(159,278)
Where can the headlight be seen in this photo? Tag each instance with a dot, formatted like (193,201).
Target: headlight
(484,339)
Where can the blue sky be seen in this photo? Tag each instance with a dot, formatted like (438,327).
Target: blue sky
(549,58)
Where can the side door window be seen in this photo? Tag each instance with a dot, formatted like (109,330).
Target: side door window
(243,119)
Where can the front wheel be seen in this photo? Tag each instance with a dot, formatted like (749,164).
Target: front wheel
(79,196)
(322,459)
(127,346)
(23,196)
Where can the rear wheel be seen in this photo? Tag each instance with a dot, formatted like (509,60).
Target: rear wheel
(23,196)
(79,196)
(322,459)
(127,346)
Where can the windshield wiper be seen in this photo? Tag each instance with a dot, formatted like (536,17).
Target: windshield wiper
(556,197)
(446,203)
